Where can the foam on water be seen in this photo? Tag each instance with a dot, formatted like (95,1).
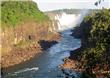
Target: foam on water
(27,69)
(24,70)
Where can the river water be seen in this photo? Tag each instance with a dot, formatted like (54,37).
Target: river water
(46,64)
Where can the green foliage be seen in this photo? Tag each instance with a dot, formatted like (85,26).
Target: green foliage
(100,37)
(14,12)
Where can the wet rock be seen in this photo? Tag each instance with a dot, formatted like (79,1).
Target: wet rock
(46,44)
(2,73)
(77,32)
(74,54)
(67,73)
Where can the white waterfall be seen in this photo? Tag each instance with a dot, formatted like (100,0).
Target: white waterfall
(68,21)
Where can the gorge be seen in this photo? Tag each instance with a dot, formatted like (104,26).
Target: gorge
(61,43)
(45,64)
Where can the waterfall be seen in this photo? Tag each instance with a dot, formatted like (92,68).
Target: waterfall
(68,21)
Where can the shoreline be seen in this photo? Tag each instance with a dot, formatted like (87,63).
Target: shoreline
(74,62)
(21,55)
(25,54)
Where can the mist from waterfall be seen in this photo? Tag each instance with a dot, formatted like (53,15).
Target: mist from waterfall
(68,21)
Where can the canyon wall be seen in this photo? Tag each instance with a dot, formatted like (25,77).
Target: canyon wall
(23,25)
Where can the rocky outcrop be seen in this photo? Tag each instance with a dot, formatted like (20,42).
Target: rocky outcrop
(81,33)
(46,44)
(19,55)
(21,32)
(25,44)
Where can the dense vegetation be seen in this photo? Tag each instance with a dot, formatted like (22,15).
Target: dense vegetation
(14,12)
(95,36)
(100,37)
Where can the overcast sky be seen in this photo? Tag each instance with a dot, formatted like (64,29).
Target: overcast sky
(47,5)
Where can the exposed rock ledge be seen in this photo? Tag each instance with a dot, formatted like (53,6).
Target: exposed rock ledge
(19,55)
(28,34)
(22,55)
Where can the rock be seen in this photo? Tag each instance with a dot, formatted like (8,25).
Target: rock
(67,73)
(46,44)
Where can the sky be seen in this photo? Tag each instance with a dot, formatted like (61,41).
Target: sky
(48,5)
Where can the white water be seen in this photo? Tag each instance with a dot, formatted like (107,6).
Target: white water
(68,21)
(24,70)
(27,69)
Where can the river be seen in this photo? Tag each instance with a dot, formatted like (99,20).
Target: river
(45,65)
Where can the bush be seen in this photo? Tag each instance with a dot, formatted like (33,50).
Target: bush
(15,12)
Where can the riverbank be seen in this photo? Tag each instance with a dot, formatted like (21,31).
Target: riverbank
(73,61)
(18,55)
(23,26)
(24,50)
(93,55)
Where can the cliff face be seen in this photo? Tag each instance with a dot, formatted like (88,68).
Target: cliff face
(23,26)
(82,32)
(94,53)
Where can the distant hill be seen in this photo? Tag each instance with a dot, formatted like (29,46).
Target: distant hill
(68,11)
